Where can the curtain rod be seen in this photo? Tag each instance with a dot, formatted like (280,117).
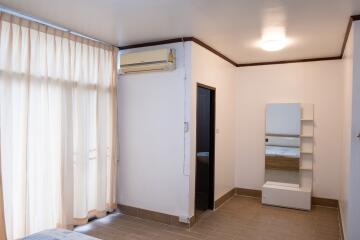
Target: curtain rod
(47,23)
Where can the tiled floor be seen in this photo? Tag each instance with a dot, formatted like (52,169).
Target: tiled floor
(239,218)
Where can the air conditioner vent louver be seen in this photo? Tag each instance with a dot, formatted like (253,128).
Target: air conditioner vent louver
(155,60)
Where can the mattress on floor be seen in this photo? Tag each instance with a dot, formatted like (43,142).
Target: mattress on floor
(59,234)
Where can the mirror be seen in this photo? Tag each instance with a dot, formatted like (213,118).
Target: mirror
(282,143)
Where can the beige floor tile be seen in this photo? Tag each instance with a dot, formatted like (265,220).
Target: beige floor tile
(238,219)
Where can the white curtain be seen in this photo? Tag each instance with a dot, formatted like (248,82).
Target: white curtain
(57,121)
(2,219)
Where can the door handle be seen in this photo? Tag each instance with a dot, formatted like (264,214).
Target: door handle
(358,136)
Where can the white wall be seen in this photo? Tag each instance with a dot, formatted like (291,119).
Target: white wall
(156,169)
(352,160)
(348,77)
(319,83)
(151,138)
(211,70)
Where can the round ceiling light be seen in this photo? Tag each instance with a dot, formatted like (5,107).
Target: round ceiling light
(273,45)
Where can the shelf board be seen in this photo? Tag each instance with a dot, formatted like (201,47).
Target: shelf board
(306,168)
(306,152)
(306,136)
(307,119)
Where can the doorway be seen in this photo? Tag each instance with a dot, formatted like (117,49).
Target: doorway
(205,149)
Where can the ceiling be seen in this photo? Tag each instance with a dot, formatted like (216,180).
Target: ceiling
(316,28)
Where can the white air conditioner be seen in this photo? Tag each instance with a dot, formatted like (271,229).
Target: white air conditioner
(154,60)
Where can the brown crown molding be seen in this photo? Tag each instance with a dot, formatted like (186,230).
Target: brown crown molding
(216,52)
(289,61)
(176,40)
(155,43)
(204,45)
(347,32)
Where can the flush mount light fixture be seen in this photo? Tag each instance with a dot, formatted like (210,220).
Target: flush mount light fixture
(273,32)
(272,45)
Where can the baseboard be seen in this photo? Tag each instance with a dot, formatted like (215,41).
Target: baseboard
(155,216)
(325,202)
(224,198)
(174,220)
(248,192)
(341,226)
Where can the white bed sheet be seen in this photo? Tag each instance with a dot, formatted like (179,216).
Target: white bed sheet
(59,234)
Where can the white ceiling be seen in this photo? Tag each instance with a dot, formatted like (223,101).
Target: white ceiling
(233,27)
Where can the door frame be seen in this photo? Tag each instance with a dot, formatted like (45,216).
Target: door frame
(212,145)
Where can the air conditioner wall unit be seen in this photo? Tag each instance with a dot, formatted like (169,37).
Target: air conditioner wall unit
(146,61)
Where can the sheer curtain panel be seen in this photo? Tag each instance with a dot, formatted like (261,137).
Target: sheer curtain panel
(2,220)
(57,122)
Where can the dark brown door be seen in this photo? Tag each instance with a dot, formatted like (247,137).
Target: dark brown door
(205,144)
